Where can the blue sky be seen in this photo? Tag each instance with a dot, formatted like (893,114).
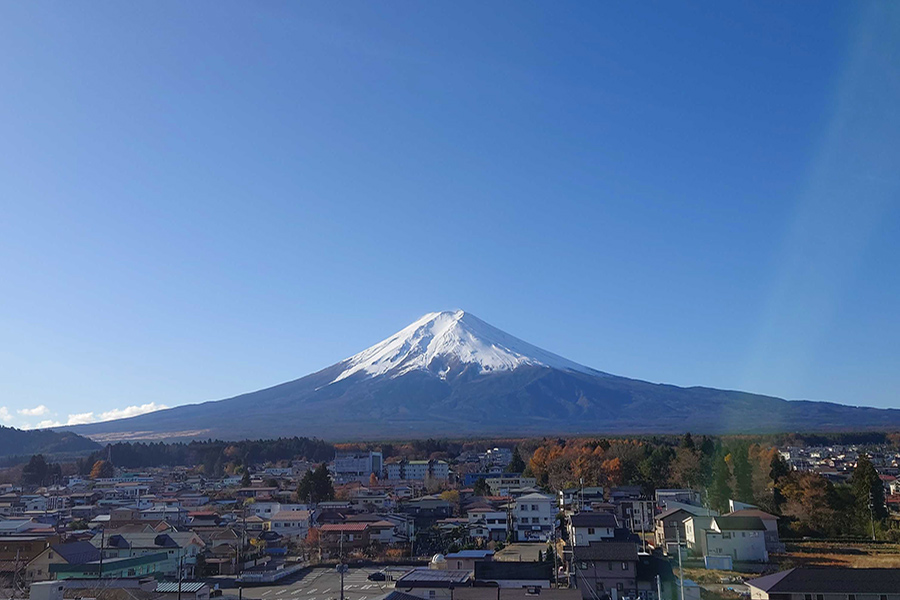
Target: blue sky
(206,198)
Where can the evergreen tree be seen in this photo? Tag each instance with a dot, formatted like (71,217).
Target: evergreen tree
(481,487)
(36,472)
(743,475)
(315,486)
(868,491)
(720,490)
(516,465)
(778,471)
(687,441)
(245,478)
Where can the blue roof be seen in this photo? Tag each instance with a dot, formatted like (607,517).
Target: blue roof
(470,554)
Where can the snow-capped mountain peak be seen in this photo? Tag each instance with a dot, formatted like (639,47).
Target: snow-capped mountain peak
(444,341)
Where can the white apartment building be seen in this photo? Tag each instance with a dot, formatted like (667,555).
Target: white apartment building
(534,518)
(417,470)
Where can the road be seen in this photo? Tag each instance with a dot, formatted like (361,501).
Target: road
(319,584)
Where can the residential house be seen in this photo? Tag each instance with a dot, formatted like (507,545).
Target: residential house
(292,524)
(487,524)
(267,509)
(344,536)
(833,583)
(433,584)
(773,542)
(670,525)
(605,569)
(509,574)
(741,538)
(73,553)
(180,547)
(465,560)
(588,527)
(579,498)
(681,496)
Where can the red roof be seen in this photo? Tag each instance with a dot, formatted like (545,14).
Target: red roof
(344,527)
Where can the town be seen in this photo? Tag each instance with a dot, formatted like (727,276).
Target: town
(566,519)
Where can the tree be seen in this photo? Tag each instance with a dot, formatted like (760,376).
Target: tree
(373,480)
(720,490)
(36,471)
(687,442)
(315,486)
(778,470)
(245,479)
(868,491)
(743,475)
(516,465)
(102,469)
(451,496)
(686,469)
(481,488)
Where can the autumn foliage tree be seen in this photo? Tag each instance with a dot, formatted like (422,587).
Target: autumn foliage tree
(102,469)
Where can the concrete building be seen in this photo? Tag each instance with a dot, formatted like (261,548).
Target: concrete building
(534,518)
(356,466)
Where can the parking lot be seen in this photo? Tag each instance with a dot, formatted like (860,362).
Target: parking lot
(320,584)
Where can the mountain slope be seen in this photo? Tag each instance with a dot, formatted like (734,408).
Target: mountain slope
(452,374)
(20,442)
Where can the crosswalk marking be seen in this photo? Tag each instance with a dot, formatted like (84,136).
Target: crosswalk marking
(267,593)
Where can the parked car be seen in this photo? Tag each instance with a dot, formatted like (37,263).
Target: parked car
(377,576)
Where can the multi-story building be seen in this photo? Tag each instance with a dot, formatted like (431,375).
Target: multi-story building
(356,466)
(534,518)
(487,524)
(417,470)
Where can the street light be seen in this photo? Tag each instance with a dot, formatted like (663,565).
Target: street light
(342,568)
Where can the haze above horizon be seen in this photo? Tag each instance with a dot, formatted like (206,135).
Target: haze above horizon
(202,199)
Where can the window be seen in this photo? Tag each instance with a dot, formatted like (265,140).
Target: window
(807,596)
(534,507)
(624,566)
(851,596)
(820,596)
(590,531)
(610,566)
(524,507)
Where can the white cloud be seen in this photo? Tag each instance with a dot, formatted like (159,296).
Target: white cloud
(86,417)
(37,411)
(4,415)
(81,418)
(130,411)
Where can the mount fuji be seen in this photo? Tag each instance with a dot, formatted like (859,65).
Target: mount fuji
(450,374)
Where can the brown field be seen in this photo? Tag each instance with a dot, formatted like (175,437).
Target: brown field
(844,554)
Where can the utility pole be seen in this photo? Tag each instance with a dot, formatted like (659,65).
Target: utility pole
(554,547)
(102,543)
(180,572)
(643,533)
(872,513)
(658,588)
(680,568)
